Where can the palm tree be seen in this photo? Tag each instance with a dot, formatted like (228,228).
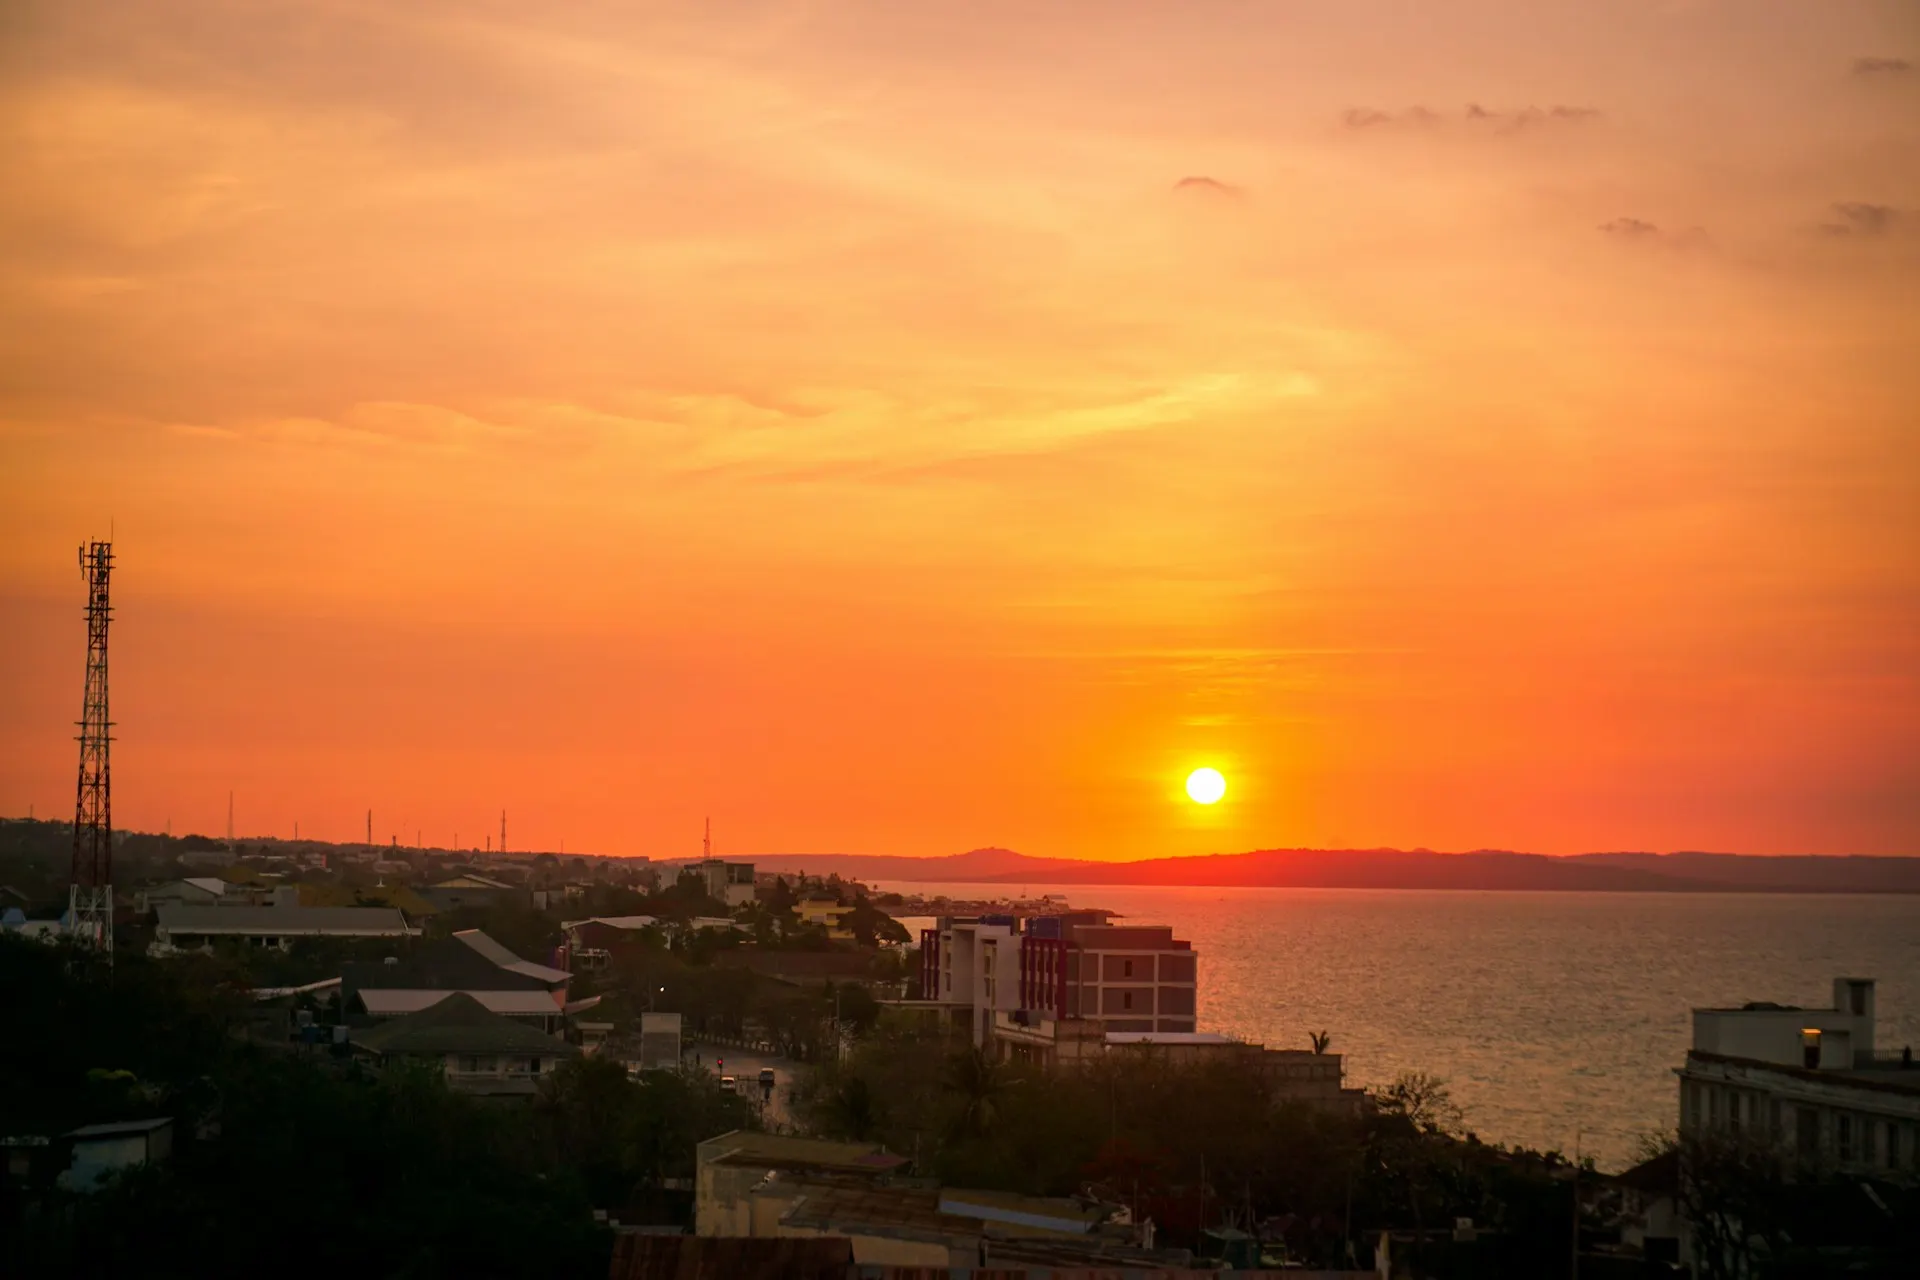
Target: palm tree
(1320,1039)
(978,1081)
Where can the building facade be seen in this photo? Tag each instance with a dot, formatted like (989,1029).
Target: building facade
(730,882)
(1061,968)
(1812,1079)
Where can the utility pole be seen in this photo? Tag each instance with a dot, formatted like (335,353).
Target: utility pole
(369,828)
(503,831)
(90,895)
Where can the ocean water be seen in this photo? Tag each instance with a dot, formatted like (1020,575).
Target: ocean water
(1557,1019)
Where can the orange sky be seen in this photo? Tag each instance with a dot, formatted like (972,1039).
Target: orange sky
(901,427)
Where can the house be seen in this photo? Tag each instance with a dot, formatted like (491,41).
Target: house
(591,943)
(1811,1079)
(472,962)
(100,1150)
(182,928)
(13,921)
(470,890)
(729,1167)
(480,1052)
(825,912)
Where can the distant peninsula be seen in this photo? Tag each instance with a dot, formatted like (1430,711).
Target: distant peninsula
(1483,870)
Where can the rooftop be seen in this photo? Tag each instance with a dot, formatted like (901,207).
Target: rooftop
(774,1150)
(501,955)
(121,1127)
(458,1023)
(363,922)
(387,1002)
(1169,1037)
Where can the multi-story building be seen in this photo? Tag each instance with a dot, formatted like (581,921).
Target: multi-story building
(1128,978)
(730,882)
(1812,1079)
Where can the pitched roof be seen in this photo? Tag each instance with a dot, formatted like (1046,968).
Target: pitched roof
(458,1023)
(387,1002)
(506,959)
(360,922)
(207,884)
(120,1127)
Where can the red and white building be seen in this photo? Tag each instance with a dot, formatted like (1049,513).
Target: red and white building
(1075,967)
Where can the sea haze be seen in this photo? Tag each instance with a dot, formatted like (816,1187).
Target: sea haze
(1555,1017)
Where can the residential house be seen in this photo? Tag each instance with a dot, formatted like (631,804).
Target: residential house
(471,890)
(593,942)
(469,961)
(729,1167)
(181,928)
(825,912)
(100,1150)
(479,1051)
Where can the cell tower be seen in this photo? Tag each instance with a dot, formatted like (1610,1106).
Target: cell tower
(90,901)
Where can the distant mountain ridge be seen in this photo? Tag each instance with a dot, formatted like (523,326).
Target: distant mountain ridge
(1485,869)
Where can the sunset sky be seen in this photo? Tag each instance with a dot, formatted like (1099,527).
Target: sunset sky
(908,425)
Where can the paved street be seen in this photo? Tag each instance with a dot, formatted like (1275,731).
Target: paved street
(745,1065)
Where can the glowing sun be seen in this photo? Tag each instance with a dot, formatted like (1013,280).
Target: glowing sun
(1206,786)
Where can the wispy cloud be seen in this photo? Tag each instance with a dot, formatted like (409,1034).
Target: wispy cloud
(1204,186)
(1858,218)
(1500,120)
(1882,67)
(1630,228)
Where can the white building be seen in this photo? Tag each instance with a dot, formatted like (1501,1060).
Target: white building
(1812,1078)
(730,882)
(191,928)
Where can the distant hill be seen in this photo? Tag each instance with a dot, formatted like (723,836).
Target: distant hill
(974,866)
(1395,869)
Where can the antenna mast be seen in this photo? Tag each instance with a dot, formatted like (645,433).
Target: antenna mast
(90,900)
(706,841)
(503,831)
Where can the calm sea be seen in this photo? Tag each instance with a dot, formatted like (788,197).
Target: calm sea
(1556,1018)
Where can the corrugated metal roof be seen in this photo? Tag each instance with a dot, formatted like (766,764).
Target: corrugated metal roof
(648,1257)
(281,922)
(501,955)
(460,1024)
(391,1002)
(122,1126)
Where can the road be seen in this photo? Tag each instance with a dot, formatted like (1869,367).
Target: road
(745,1066)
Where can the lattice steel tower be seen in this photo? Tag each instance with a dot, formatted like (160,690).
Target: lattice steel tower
(90,902)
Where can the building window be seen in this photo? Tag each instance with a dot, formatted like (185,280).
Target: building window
(1126,968)
(1126,999)
(1713,1107)
(1733,1112)
(1806,1131)
(1867,1143)
(1893,1145)
(1774,1126)
(1843,1136)
(533,1066)
(1810,1048)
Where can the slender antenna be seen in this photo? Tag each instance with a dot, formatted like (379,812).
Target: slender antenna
(503,831)
(706,841)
